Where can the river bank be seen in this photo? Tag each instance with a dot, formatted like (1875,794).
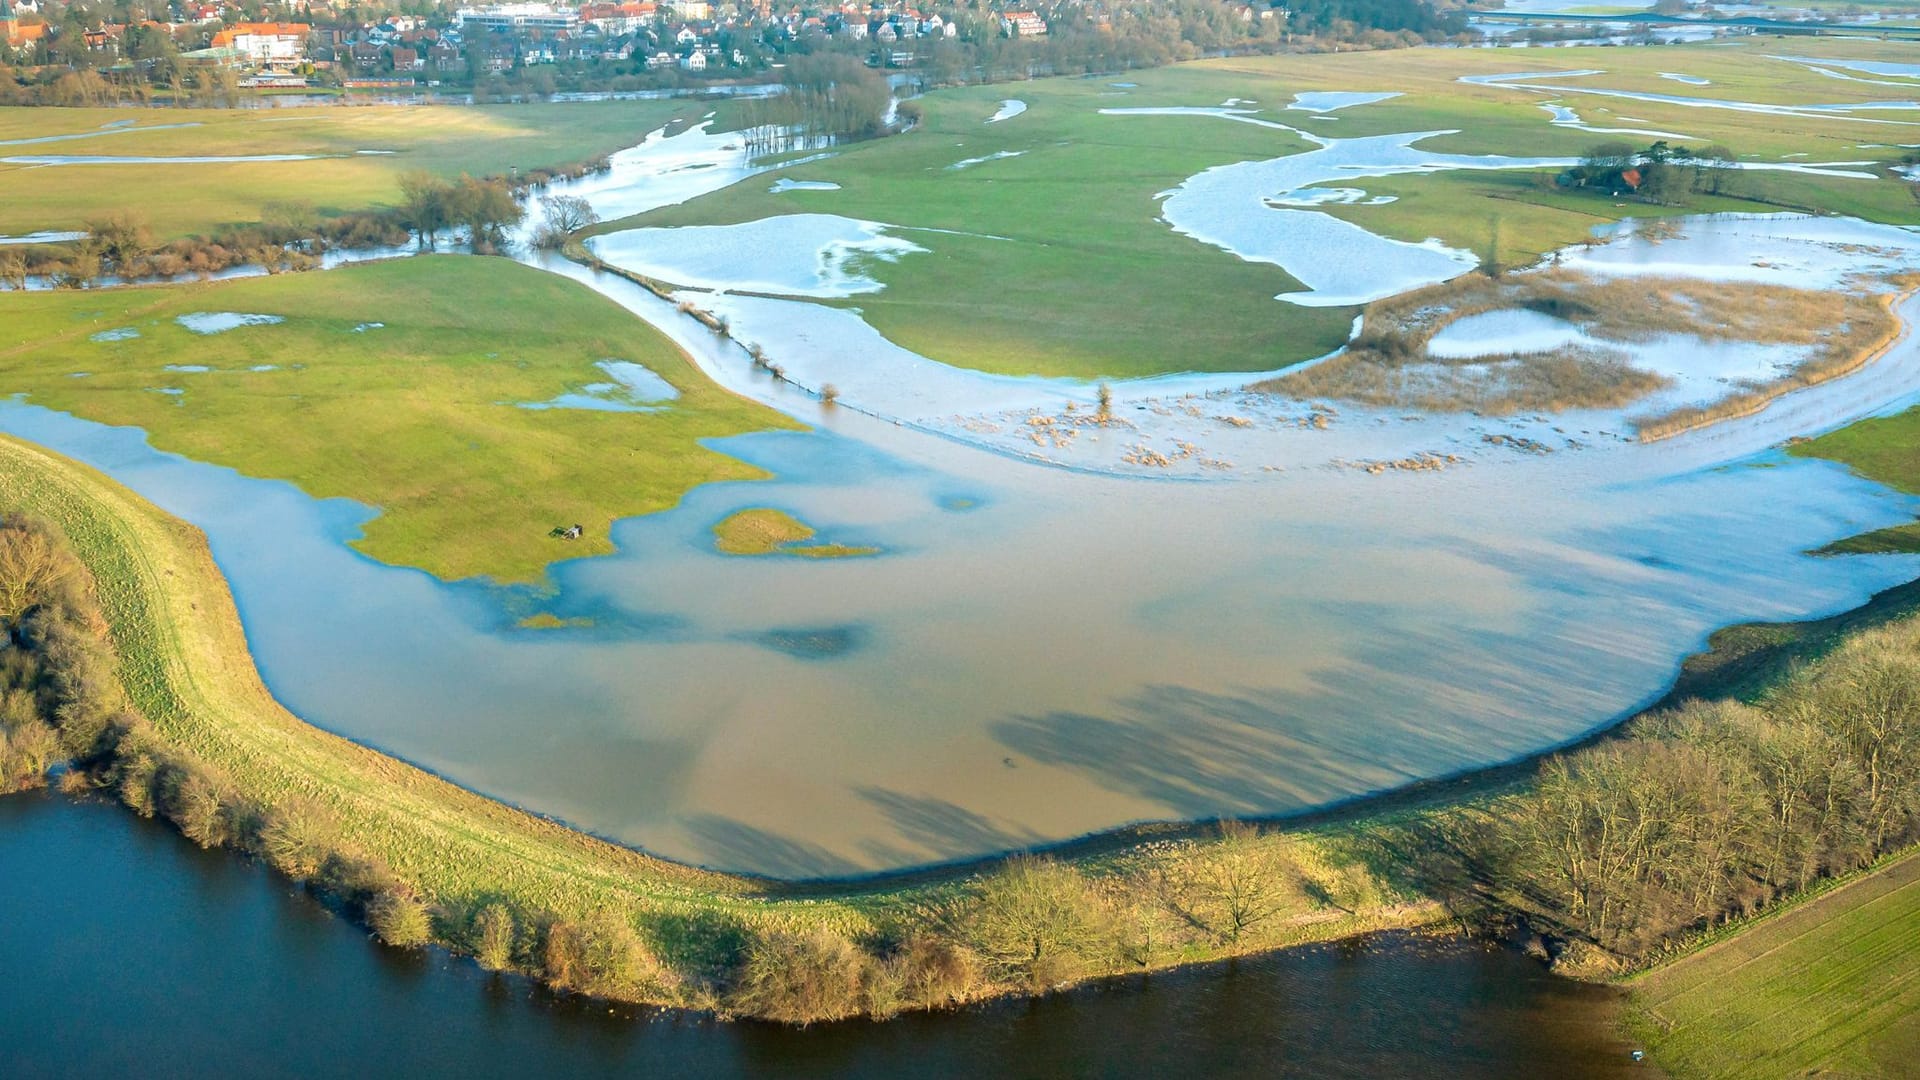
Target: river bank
(186,667)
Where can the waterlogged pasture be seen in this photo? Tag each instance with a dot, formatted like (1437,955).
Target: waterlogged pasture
(396,384)
(1034,226)
(221,167)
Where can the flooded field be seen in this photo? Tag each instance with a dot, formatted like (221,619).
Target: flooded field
(1202,605)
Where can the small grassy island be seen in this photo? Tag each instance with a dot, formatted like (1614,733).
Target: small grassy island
(766,531)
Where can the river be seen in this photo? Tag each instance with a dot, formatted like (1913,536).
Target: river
(129,951)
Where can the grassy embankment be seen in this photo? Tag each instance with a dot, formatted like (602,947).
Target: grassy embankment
(417,416)
(767,531)
(521,892)
(1055,235)
(1388,364)
(185,667)
(198,199)
(1828,986)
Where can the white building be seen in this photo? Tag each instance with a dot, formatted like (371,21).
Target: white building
(518,17)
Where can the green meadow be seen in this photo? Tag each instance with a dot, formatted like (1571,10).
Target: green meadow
(197,199)
(1830,987)
(418,416)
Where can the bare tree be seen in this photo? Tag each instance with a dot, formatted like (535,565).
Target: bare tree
(562,216)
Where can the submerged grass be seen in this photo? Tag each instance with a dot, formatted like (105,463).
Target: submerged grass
(419,417)
(1055,262)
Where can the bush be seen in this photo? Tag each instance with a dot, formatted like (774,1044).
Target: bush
(602,955)
(493,937)
(1037,922)
(799,978)
(197,802)
(297,837)
(399,917)
(27,749)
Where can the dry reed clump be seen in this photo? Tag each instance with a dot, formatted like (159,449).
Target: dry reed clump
(1870,329)
(1388,365)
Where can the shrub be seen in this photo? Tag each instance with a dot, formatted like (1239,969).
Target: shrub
(193,799)
(1036,922)
(601,955)
(798,978)
(297,837)
(27,750)
(399,917)
(493,937)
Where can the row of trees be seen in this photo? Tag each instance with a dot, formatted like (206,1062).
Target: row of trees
(290,236)
(1714,809)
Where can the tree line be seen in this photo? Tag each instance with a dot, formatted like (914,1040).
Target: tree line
(291,236)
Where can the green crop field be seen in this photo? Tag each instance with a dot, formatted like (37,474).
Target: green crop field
(1039,246)
(1828,988)
(198,198)
(418,415)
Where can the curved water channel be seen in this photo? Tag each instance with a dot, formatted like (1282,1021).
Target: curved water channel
(1039,652)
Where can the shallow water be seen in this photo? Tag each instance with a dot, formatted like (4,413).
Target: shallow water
(1008,110)
(147,956)
(219,322)
(815,255)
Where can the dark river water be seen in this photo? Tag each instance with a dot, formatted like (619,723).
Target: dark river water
(128,952)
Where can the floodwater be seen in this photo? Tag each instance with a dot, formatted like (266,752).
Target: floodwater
(146,956)
(1040,652)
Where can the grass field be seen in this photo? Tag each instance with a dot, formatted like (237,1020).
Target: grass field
(1830,987)
(183,199)
(418,416)
(1060,266)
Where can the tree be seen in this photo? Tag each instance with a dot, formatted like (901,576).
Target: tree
(1036,921)
(563,215)
(1237,883)
(486,209)
(424,205)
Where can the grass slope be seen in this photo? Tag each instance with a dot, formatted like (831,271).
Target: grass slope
(183,199)
(416,417)
(1829,987)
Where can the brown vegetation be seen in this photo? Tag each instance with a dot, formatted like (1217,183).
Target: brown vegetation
(1387,364)
(1711,810)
